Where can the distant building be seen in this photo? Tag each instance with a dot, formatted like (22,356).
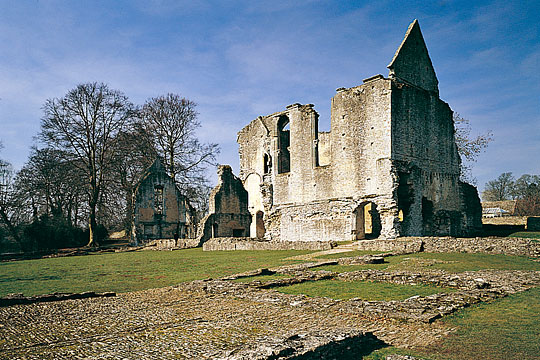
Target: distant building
(498,208)
(160,210)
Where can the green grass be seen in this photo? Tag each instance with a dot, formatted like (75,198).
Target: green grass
(365,290)
(130,271)
(452,262)
(526,234)
(508,328)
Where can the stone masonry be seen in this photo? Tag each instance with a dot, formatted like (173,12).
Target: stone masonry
(389,167)
(160,210)
(228,212)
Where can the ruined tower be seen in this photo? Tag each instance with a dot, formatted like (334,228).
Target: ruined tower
(389,166)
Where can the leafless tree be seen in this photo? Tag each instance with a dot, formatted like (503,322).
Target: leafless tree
(49,182)
(7,205)
(468,147)
(84,125)
(172,122)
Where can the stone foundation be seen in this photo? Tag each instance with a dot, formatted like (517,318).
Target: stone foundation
(506,246)
(254,244)
(169,244)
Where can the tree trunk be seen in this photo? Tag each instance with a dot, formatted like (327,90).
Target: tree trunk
(92,224)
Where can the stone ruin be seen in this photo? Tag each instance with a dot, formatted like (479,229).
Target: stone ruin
(389,167)
(160,210)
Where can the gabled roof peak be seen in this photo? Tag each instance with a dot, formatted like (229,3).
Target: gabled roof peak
(411,62)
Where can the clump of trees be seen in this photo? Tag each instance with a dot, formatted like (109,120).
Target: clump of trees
(94,146)
(525,190)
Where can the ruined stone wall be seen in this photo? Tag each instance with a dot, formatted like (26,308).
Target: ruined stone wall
(507,246)
(160,210)
(228,208)
(329,220)
(360,139)
(224,244)
(391,146)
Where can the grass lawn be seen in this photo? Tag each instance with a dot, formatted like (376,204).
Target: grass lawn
(508,328)
(365,290)
(130,271)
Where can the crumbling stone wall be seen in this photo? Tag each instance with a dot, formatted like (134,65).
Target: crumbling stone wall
(160,210)
(228,208)
(389,164)
(506,246)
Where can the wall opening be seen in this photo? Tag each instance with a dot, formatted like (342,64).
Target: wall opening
(427,216)
(158,199)
(405,194)
(259,223)
(366,222)
(315,137)
(215,230)
(284,141)
(267,162)
(238,232)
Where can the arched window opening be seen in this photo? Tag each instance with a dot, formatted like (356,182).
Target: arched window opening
(284,141)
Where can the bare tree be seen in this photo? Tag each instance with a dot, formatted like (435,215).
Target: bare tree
(172,122)
(499,189)
(468,148)
(7,205)
(84,124)
(527,192)
(48,183)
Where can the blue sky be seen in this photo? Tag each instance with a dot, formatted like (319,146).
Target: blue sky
(241,59)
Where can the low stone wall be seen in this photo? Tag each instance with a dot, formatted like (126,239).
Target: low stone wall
(255,244)
(507,246)
(169,244)
(403,245)
(505,220)
(533,223)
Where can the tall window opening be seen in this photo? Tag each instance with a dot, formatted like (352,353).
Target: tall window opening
(267,159)
(405,193)
(158,199)
(284,141)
